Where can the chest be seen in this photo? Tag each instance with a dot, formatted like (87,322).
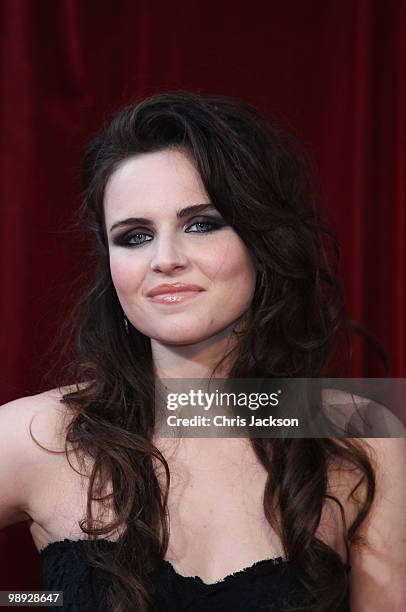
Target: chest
(215,506)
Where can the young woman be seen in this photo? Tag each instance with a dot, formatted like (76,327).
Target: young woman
(211,261)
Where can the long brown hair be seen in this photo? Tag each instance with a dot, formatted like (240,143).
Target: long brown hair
(262,183)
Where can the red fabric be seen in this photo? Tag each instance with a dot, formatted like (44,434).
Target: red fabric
(332,70)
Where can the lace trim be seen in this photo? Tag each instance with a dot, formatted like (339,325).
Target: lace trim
(256,567)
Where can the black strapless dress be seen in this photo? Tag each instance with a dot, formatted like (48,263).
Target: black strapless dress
(271,585)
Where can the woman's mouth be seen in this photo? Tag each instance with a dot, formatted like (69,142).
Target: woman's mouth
(174,298)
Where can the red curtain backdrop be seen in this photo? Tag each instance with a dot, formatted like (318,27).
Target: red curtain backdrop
(333,70)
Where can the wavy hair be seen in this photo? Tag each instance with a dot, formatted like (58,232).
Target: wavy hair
(262,182)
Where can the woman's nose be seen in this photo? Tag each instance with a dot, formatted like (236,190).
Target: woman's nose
(167,256)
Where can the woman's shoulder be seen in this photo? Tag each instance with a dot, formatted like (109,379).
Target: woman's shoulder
(43,407)
(360,416)
(29,427)
(33,431)
(43,414)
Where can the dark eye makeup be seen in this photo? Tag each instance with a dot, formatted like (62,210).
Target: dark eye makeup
(134,238)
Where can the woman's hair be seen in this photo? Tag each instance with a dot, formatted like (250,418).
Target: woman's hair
(260,180)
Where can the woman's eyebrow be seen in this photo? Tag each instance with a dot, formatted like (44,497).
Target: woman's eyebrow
(180,214)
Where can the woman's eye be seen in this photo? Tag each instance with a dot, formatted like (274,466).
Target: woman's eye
(214,225)
(135,239)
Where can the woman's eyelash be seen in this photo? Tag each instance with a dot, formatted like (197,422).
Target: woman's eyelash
(125,240)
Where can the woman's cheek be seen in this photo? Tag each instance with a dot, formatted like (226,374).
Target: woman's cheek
(239,272)
(124,278)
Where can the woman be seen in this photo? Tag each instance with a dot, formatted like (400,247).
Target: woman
(200,193)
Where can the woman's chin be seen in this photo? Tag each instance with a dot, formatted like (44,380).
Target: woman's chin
(188,334)
(180,338)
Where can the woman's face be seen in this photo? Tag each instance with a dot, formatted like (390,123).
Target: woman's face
(151,241)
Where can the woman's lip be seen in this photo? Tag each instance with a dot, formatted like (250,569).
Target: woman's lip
(169,289)
(176,297)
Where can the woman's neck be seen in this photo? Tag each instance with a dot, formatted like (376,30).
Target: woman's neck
(193,361)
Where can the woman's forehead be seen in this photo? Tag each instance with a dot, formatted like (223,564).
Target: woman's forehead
(153,183)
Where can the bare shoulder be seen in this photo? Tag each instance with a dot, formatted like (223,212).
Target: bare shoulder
(32,432)
(43,414)
(386,453)
(360,416)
